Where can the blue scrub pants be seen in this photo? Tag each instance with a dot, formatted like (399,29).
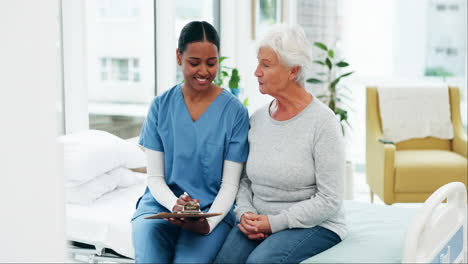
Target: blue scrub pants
(287,246)
(158,241)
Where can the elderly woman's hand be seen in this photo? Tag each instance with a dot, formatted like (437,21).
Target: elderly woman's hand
(262,224)
(255,227)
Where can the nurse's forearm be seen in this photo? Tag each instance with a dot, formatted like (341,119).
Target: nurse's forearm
(227,192)
(156,180)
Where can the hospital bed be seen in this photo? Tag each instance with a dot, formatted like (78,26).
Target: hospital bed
(434,233)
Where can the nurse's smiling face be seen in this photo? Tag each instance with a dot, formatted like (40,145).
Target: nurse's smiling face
(199,64)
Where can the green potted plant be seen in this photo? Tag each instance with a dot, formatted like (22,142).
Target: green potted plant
(232,75)
(331,77)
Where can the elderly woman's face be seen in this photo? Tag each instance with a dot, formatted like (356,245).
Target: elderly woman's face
(271,74)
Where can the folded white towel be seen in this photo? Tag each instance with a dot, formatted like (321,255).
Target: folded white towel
(415,112)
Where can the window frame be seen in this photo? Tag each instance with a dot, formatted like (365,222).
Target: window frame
(75,114)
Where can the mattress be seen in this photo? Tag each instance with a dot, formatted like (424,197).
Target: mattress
(376,232)
(375,235)
(106,222)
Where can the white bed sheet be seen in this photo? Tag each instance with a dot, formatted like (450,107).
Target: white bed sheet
(376,235)
(106,222)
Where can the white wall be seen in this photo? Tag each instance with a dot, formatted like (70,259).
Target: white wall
(165,45)
(74,53)
(31,191)
(367,39)
(410,39)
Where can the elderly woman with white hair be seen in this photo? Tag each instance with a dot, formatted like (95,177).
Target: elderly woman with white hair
(289,204)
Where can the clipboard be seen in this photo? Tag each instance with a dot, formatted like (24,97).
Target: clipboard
(182,215)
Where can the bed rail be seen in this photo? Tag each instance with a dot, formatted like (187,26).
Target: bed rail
(438,232)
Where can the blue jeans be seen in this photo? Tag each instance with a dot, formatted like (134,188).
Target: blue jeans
(158,241)
(287,246)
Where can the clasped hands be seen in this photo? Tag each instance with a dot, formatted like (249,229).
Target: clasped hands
(198,225)
(254,226)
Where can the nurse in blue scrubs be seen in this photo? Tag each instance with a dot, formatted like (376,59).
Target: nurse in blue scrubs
(195,140)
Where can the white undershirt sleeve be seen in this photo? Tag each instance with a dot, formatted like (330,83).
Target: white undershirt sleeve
(156,180)
(164,195)
(227,192)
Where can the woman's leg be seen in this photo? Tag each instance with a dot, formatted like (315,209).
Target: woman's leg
(294,245)
(154,240)
(197,248)
(236,248)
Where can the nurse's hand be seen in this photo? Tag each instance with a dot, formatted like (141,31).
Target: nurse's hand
(197,225)
(181,201)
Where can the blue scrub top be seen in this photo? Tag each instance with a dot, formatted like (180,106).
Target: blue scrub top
(194,151)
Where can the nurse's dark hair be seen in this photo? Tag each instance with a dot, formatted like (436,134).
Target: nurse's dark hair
(197,31)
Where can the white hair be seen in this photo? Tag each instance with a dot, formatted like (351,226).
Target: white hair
(290,44)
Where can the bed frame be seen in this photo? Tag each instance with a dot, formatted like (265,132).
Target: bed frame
(93,254)
(437,234)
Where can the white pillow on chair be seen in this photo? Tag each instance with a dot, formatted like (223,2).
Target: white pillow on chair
(91,153)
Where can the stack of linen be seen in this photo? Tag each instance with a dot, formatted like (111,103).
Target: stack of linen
(97,162)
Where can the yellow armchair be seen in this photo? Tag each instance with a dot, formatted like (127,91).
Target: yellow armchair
(410,171)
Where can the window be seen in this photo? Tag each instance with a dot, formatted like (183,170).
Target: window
(320,22)
(120,69)
(408,42)
(446,52)
(264,14)
(109,64)
(120,40)
(110,58)
(118,8)
(189,10)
